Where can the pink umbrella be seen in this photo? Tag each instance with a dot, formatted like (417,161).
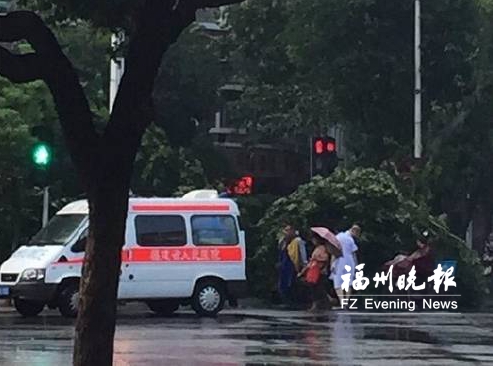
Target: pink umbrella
(334,246)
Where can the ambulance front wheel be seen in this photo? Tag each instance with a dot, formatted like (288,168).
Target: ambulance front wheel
(28,308)
(208,298)
(68,300)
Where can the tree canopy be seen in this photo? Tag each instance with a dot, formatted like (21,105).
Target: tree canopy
(309,65)
(391,223)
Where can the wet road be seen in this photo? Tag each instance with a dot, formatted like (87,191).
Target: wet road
(262,337)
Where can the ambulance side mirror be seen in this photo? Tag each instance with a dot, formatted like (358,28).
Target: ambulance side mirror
(80,245)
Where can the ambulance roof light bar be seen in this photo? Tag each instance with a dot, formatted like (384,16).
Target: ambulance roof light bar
(201,194)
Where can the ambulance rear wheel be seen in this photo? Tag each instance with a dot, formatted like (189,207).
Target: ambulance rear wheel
(68,300)
(208,298)
(28,308)
(163,307)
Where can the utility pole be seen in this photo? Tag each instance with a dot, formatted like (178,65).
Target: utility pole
(117,67)
(41,156)
(417,80)
(46,203)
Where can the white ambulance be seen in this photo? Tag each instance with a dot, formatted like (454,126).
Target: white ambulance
(179,251)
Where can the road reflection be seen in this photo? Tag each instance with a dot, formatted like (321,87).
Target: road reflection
(232,340)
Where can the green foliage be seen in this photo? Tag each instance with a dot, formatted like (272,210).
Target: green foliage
(164,170)
(89,50)
(390,223)
(23,106)
(177,155)
(160,169)
(311,64)
(185,93)
(20,108)
(308,65)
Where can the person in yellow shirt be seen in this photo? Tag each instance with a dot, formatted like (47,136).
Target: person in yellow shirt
(292,259)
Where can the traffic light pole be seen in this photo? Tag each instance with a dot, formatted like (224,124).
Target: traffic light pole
(46,203)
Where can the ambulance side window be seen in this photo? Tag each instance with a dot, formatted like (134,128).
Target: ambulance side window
(80,245)
(214,230)
(160,230)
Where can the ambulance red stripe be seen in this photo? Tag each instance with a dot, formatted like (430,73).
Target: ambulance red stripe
(180,207)
(176,254)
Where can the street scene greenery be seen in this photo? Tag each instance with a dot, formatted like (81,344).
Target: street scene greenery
(372,199)
(304,66)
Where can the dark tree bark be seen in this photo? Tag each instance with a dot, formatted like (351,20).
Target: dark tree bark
(104,163)
(481,224)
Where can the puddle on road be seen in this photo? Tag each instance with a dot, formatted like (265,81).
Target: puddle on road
(338,338)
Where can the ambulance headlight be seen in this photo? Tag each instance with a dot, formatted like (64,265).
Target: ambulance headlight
(33,274)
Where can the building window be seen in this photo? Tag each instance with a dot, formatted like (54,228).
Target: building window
(160,230)
(214,230)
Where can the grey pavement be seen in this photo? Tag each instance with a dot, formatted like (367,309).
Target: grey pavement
(261,337)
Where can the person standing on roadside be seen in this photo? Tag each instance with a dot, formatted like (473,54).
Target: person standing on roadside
(292,259)
(314,273)
(349,248)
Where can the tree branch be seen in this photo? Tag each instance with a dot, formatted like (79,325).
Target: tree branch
(160,24)
(50,64)
(19,68)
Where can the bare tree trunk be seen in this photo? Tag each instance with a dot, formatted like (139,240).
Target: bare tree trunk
(95,326)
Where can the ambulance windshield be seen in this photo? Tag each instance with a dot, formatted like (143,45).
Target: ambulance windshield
(59,230)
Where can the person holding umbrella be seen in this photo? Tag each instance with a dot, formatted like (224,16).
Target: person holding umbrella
(313,274)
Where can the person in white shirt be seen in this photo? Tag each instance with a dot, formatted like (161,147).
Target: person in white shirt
(348,258)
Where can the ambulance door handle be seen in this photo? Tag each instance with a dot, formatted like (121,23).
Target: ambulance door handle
(131,277)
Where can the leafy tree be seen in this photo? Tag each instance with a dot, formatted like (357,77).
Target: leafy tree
(14,152)
(185,95)
(389,219)
(350,62)
(176,152)
(165,170)
(309,65)
(26,105)
(103,160)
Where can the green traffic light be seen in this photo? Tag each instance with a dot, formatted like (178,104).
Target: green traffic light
(41,154)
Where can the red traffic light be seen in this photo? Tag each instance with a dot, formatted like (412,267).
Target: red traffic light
(242,186)
(322,145)
(331,146)
(318,146)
